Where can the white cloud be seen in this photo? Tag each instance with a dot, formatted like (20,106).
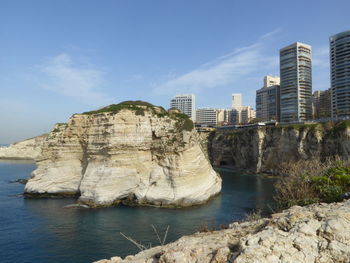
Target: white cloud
(227,69)
(78,81)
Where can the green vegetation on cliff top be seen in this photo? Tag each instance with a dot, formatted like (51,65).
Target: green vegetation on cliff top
(130,105)
(183,121)
(312,181)
(331,125)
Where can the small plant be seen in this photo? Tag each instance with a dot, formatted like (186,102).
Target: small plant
(307,182)
(342,125)
(187,125)
(140,112)
(183,122)
(142,247)
(255,215)
(333,184)
(211,226)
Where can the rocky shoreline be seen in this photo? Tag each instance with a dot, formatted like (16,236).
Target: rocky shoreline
(318,233)
(253,150)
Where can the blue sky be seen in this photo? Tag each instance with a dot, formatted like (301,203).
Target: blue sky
(63,57)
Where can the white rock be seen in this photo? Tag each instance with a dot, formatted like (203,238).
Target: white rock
(263,241)
(29,149)
(142,159)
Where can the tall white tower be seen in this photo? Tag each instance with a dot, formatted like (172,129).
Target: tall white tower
(236,100)
(296,83)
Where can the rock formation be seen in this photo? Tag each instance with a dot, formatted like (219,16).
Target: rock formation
(264,149)
(317,233)
(29,149)
(131,152)
(251,150)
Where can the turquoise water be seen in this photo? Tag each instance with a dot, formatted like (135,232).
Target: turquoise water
(41,230)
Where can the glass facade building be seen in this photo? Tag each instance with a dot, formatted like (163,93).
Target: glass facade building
(340,74)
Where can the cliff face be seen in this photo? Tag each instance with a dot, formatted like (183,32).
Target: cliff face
(317,233)
(29,149)
(142,156)
(264,149)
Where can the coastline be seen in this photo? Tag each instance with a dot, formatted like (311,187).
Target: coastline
(314,233)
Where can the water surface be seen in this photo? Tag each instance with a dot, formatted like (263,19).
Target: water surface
(41,230)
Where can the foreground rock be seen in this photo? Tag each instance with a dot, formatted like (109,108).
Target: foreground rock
(317,233)
(29,149)
(263,149)
(132,152)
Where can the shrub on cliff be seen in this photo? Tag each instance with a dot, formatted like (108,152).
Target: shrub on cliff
(329,127)
(312,181)
(136,105)
(183,121)
(139,107)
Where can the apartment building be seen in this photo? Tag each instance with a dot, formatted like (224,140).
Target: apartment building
(268,100)
(186,103)
(340,74)
(210,116)
(242,115)
(322,104)
(296,83)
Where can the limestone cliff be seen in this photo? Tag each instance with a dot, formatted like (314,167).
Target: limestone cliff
(29,149)
(264,149)
(131,152)
(317,233)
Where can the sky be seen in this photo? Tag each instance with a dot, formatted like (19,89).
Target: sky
(63,57)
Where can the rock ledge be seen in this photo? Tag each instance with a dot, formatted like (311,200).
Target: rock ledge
(317,233)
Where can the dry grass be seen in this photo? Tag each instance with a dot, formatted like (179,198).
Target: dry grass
(296,186)
(255,215)
(209,227)
(140,246)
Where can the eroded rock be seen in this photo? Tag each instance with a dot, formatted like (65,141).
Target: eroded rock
(263,149)
(317,233)
(145,156)
(29,149)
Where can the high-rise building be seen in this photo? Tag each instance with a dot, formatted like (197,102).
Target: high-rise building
(325,105)
(340,73)
(186,103)
(236,100)
(322,104)
(316,104)
(268,99)
(296,83)
(210,116)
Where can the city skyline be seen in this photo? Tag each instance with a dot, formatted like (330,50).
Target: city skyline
(61,58)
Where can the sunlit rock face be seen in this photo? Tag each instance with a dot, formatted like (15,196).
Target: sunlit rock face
(138,155)
(318,233)
(29,149)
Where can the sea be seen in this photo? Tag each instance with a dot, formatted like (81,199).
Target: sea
(44,231)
